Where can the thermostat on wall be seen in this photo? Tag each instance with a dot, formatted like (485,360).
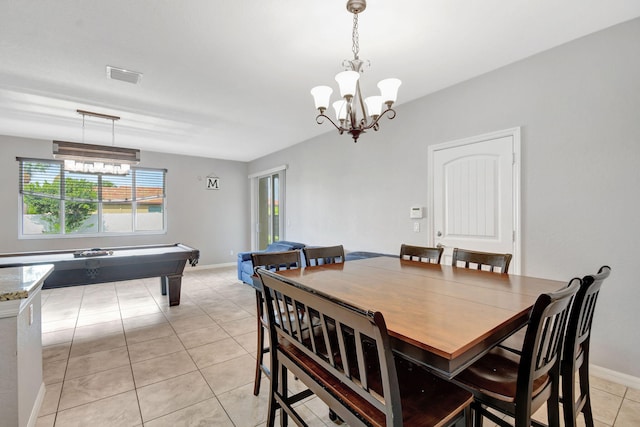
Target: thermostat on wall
(415,212)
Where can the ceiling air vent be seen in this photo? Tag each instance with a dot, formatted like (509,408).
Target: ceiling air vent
(128,76)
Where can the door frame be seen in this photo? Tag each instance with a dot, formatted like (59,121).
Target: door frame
(515,134)
(253,178)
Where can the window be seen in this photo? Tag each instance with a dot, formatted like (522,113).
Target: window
(55,202)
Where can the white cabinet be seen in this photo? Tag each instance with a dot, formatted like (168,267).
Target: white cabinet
(21,386)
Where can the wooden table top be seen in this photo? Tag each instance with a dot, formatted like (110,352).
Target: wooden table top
(442,316)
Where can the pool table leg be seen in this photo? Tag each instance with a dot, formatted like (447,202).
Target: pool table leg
(174,283)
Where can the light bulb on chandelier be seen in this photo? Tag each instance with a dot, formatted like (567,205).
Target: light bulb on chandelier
(354,114)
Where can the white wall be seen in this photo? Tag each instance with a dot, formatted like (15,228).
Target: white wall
(213,221)
(579,109)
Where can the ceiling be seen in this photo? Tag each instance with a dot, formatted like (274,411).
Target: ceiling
(230,79)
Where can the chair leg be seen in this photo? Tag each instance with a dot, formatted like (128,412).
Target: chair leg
(585,391)
(553,404)
(283,390)
(477,419)
(468,420)
(273,405)
(588,414)
(568,397)
(553,412)
(260,350)
(573,406)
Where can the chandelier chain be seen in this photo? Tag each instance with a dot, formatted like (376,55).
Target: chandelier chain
(355,38)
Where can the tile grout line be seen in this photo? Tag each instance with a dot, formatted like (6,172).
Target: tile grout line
(64,376)
(215,395)
(133,378)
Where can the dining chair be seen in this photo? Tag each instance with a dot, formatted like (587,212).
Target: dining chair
(323,255)
(320,256)
(421,253)
(576,350)
(284,260)
(481,260)
(518,384)
(348,363)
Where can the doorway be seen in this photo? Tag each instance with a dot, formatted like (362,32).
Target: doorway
(268,189)
(474,188)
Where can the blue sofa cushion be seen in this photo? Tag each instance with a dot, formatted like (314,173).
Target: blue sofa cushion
(246,268)
(279,247)
(245,265)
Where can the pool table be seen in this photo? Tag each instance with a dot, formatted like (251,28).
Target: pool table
(84,267)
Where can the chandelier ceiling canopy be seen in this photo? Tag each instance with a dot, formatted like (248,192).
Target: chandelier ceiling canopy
(354,114)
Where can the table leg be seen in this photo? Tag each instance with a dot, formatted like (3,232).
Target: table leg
(174,284)
(163,284)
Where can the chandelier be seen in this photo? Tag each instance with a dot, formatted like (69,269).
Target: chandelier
(90,158)
(355,115)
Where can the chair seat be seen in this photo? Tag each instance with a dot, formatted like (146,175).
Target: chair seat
(426,399)
(496,375)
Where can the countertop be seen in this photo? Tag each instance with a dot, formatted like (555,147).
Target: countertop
(18,283)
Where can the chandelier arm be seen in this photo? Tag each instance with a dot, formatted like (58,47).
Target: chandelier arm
(321,116)
(375,122)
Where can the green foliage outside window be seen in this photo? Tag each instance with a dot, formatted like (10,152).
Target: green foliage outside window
(78,207)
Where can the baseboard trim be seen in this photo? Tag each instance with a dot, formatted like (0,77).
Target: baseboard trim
(210,266)
(33,418)
(614,376)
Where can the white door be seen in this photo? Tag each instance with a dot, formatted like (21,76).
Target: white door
(475,190)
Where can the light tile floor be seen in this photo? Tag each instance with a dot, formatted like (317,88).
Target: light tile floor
(116,354)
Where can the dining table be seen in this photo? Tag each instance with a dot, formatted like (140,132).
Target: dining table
(440,316)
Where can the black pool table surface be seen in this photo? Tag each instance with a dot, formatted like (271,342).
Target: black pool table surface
(83,267)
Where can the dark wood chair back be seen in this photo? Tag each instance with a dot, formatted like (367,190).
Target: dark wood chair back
(576,350)
(420,253)
(519,383)
(481,260)
(277,261)
(342,337)
(323,255)
(345,359)
(283,260)
(542,347)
